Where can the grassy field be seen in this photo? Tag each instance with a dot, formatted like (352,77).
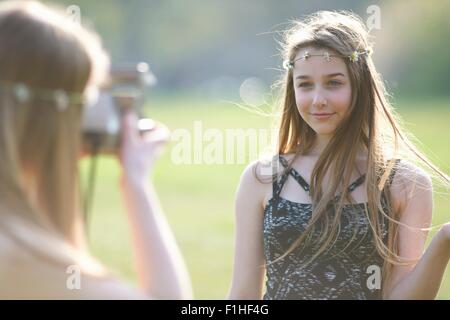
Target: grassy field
(198,199)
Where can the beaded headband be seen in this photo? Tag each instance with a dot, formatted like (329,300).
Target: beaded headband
(62,99)
(353,57)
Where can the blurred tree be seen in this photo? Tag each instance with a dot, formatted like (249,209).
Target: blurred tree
(192,42)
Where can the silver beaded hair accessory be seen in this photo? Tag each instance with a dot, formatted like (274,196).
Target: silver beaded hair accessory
(61,98)
(355,56)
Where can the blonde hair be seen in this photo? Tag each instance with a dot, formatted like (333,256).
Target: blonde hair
(371,123)
(39,145)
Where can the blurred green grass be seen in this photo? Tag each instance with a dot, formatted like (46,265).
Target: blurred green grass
(199,199)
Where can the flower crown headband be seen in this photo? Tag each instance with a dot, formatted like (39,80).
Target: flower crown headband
(62,99)
(353,57)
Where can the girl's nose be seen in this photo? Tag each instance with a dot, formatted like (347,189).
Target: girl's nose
(319,100)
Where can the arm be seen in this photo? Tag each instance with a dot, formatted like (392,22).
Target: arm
(248,270)
(424,280)
(420,280)
(161,269)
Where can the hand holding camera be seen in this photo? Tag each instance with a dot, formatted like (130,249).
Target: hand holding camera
(114,125)
(138,152)
(102,122)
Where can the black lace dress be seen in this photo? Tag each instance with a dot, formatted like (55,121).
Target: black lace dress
(341,272)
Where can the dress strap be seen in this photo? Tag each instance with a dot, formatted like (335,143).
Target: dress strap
(362,178)
(283,161)
(392,173)
(357,183)
(278,182)
(394,170)
(296,175)
(278,185)
(353,186)
(384,200)
(300,180)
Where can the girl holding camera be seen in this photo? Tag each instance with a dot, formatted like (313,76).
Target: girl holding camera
(48,64)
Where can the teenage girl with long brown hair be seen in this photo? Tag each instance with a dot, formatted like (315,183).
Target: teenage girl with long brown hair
(347,210)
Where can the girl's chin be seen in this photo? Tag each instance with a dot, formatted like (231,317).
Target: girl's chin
(324,131)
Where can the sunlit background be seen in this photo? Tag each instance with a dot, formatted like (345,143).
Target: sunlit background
(210,56)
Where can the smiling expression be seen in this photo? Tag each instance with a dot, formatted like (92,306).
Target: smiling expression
(322,90)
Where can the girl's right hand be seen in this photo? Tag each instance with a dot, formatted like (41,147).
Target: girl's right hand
(138,153)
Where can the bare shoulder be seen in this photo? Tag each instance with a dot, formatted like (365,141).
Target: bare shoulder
(410,184)
(24,275)
(49,282)
(109,288)
(256,181)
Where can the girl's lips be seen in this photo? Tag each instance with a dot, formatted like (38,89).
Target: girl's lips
(322,116)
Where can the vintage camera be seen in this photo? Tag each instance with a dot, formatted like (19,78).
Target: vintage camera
(101,124)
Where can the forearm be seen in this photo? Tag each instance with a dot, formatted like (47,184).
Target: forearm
(248,285)
(160,266)
(424,280)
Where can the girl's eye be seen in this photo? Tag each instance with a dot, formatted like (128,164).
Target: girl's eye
(334,83)
(331,83)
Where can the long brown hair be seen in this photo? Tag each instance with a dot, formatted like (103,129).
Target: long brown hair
(39,144)
(371,124)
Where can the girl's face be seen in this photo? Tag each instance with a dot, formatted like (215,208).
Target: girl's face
(322,90)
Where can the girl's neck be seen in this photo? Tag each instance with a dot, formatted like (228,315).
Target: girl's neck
(319,145)
(321,142)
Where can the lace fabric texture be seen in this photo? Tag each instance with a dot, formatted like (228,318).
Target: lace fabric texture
(342,272)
